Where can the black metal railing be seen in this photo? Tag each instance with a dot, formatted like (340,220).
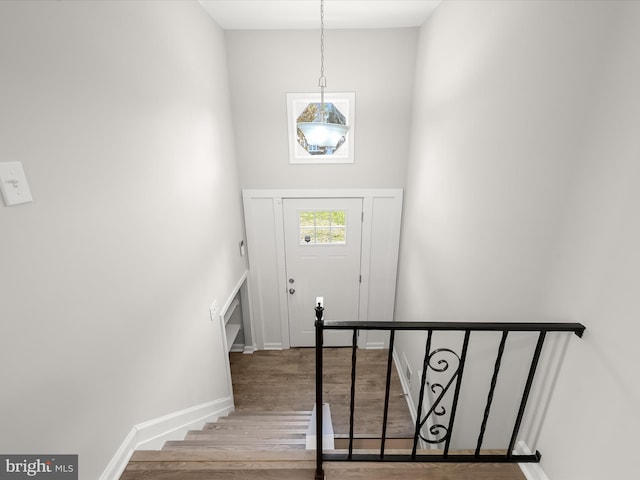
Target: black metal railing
(443,433)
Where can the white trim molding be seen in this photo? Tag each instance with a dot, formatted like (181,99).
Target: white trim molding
(405,387)
(152,434)
(532,471)
(406,391)
(264,220)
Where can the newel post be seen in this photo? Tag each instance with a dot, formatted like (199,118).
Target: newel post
(319,430)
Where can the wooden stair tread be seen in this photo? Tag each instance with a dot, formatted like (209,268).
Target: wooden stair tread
(265,418)
(203,434)
(373,437)
(240,440)
(413,471)
(195,445)
(223,465)
(253,424)
(222,429)
(271,445)
(333,471)
(249,438)
(238,455)
(204,474)
(305,469)
(239,413)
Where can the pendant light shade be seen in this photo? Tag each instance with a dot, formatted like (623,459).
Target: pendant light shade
(323,134)
(320,132)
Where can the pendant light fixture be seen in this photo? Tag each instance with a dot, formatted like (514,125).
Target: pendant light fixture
(321,132)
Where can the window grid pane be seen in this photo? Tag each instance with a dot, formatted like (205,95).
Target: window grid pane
(322,227)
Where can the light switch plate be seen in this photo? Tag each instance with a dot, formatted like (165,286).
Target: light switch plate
(13,184)
(213,310)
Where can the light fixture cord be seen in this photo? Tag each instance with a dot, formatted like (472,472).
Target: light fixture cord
(322,81)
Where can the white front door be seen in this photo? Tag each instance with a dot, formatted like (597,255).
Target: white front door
(323,238)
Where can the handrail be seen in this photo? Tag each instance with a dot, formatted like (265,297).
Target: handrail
(454,382)
(576,328)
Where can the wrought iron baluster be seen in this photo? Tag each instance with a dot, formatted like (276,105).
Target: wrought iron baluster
(440,360)
(386,393)
(425,365)
(354,347)
(527,390)
(319,429)
(454,406)
(494,380)
(440,366)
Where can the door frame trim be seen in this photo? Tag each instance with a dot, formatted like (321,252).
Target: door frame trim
(368,196)
(354,210)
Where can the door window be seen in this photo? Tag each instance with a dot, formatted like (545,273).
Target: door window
(322,227)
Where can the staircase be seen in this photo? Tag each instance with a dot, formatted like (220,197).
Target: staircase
(243,445)
(271,446)
(257,431)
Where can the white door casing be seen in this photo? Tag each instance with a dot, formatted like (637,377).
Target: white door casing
(268,282)
(322,239)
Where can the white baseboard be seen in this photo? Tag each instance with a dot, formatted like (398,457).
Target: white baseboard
(413,410)
(273,346)
(533,471)
(405,387)
(249,349)
(375,345)
(151,435)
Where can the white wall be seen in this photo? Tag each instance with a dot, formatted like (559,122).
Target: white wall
(592,428)
(377,64)
(521,136)
(119,112)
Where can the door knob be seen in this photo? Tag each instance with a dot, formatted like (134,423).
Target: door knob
(292,291)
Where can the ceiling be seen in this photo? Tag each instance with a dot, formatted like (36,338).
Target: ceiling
(305,14)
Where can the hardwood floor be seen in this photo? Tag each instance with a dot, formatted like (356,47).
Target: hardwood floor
(175,465)
(285,380)
(264,438)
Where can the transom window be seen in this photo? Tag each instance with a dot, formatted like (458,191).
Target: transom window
(321,227)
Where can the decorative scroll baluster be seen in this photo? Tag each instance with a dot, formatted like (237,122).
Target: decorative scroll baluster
(437,409)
